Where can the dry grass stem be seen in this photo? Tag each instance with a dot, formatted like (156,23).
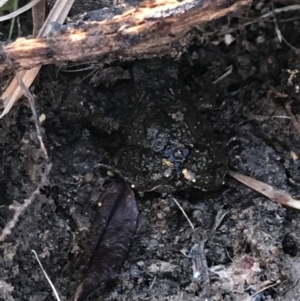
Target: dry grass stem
(276,195)
(265,16)
(47,277)
(19,11)
(2,2)
(280,35)
(13,92)
(152,283)
(281,10)
(34,114)
(19,210)
(182,210)
(228,72)
(252,297)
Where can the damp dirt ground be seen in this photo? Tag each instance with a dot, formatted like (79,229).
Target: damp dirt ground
(254,252)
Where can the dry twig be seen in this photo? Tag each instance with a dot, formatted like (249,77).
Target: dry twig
(155,27)
(263,17)
(184,213)
(20,209)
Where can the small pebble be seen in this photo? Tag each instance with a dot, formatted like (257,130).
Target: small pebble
(160,215)
(42,118)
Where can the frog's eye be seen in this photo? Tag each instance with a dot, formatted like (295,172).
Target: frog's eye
(189,175)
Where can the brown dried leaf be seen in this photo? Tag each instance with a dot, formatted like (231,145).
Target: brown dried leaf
(109,240)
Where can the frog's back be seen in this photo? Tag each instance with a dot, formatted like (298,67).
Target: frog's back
(168,144)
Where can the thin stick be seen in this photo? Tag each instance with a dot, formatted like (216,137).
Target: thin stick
(265,16)
(34,114)
(279,33)
(260,291)
(152,283)
(229,71)
(280,10)
(20,209)
(47,277)
(182,210)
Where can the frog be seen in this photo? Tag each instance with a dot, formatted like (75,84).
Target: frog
(165,143)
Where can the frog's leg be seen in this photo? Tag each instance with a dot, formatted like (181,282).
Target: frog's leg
(144,169)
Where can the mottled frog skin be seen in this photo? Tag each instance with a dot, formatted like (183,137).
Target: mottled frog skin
(167,145)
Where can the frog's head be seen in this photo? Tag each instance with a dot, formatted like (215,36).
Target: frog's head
(204,168)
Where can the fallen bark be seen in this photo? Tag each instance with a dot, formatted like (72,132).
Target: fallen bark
(154,28)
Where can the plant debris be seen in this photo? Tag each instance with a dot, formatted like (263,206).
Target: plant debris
(153,28)
(109,240)
(276,195)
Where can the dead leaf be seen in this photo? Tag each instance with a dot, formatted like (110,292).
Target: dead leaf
(109,240)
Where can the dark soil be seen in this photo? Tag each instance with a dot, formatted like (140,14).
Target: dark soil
(255,249)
